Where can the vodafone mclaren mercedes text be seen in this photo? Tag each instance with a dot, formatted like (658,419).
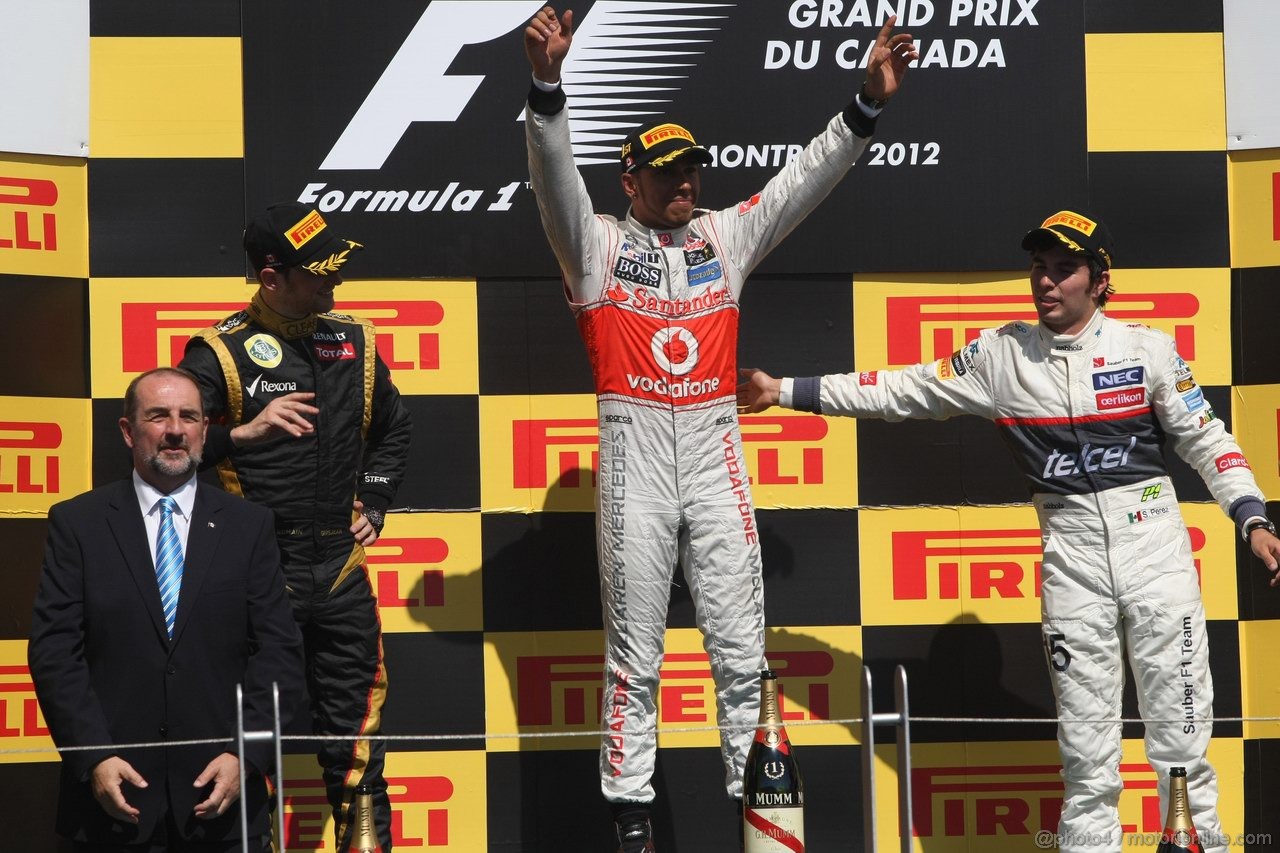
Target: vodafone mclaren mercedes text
(1118,572)
(658,312)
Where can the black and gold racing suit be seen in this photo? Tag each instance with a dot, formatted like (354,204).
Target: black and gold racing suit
(358,450)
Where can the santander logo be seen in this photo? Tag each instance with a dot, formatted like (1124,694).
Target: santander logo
(617,293)
(675,349)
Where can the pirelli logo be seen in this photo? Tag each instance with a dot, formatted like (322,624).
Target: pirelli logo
(43,216)
(308,822)
(665,131)
(22,724)
(531,463)
(425,572)
(995,563)
(925,328)
(302,232)
(554,682)
(985,563)
(428,343)
(44,452)
(1013,800)
(1072,220)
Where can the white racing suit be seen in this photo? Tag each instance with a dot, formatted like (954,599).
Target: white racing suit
(658,312)
(1086,417)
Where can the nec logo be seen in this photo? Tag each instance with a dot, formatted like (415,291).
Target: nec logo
(413,798)
(1116,378)
(28,192)
(25,448)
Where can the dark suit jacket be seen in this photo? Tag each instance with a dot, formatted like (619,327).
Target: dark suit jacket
(106,672)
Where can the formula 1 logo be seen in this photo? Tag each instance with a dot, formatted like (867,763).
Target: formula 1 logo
(608,39)
(675,349)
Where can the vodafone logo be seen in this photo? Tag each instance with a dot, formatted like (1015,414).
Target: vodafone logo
(675,349)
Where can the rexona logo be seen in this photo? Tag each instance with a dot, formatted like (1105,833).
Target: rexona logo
(625,55)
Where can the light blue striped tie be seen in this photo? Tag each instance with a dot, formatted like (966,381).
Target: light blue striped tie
(168,562)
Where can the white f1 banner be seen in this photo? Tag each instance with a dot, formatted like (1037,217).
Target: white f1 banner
(45,64)
(1250,29)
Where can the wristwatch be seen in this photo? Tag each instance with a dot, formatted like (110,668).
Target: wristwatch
(870,101)
(1255,523)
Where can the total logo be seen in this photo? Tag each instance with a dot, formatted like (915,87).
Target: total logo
(268,387)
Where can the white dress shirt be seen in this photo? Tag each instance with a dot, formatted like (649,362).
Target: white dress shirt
(149,502)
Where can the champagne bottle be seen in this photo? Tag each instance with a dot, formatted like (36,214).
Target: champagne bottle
(365,837)
(1179,832)
(772,793)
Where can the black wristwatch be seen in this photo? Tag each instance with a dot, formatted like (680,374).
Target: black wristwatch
(870,101)
(1256,523)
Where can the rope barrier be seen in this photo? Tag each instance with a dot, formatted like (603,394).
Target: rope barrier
(848,721)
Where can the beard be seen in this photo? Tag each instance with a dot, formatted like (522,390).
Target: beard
(174,467)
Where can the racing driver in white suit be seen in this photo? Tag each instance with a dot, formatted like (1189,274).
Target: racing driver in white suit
(656,300)
(1085,403)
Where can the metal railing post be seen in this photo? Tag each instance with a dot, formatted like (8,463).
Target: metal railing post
(244,809)
(868,766)
(906,823)
(275,696)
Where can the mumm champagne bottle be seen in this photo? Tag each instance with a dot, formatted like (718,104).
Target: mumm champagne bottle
(1179,833)
(365,838)
(772,793)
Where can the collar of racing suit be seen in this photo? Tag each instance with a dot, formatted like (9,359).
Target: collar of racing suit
(1082,341)
(657,238)
(290,328)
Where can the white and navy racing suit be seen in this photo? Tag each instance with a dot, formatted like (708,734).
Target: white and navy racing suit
(658,311)
(1086,417)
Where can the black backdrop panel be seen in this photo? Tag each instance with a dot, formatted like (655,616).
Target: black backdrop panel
(1152,16)
(444,119)
(145,221)
(1255,303)
(528,340)
(444,459)
(164,18)
(435,685)
(49,346)
(1135,192)
(540,571)
(23,555)
(797,326)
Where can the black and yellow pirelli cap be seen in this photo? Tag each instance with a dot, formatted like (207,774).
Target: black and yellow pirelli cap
(294,235)
(1079,231)
(659,145)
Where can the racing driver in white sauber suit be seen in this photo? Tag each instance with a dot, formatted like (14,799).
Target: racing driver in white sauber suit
(656,300)
(1085,404)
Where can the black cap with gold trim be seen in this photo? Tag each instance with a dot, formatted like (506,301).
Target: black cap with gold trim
(659,145)
(294,235)
(1080,232)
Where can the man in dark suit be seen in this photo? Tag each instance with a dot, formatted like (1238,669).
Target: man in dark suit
(157,597)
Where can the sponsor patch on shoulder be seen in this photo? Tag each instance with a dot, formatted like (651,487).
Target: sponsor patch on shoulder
(1194,400)
(869,377)
(231,322)
(744,207)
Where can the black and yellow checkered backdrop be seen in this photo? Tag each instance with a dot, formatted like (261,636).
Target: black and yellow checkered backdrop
(883,545)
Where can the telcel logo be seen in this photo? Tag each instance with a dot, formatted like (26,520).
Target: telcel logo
(1090,459)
